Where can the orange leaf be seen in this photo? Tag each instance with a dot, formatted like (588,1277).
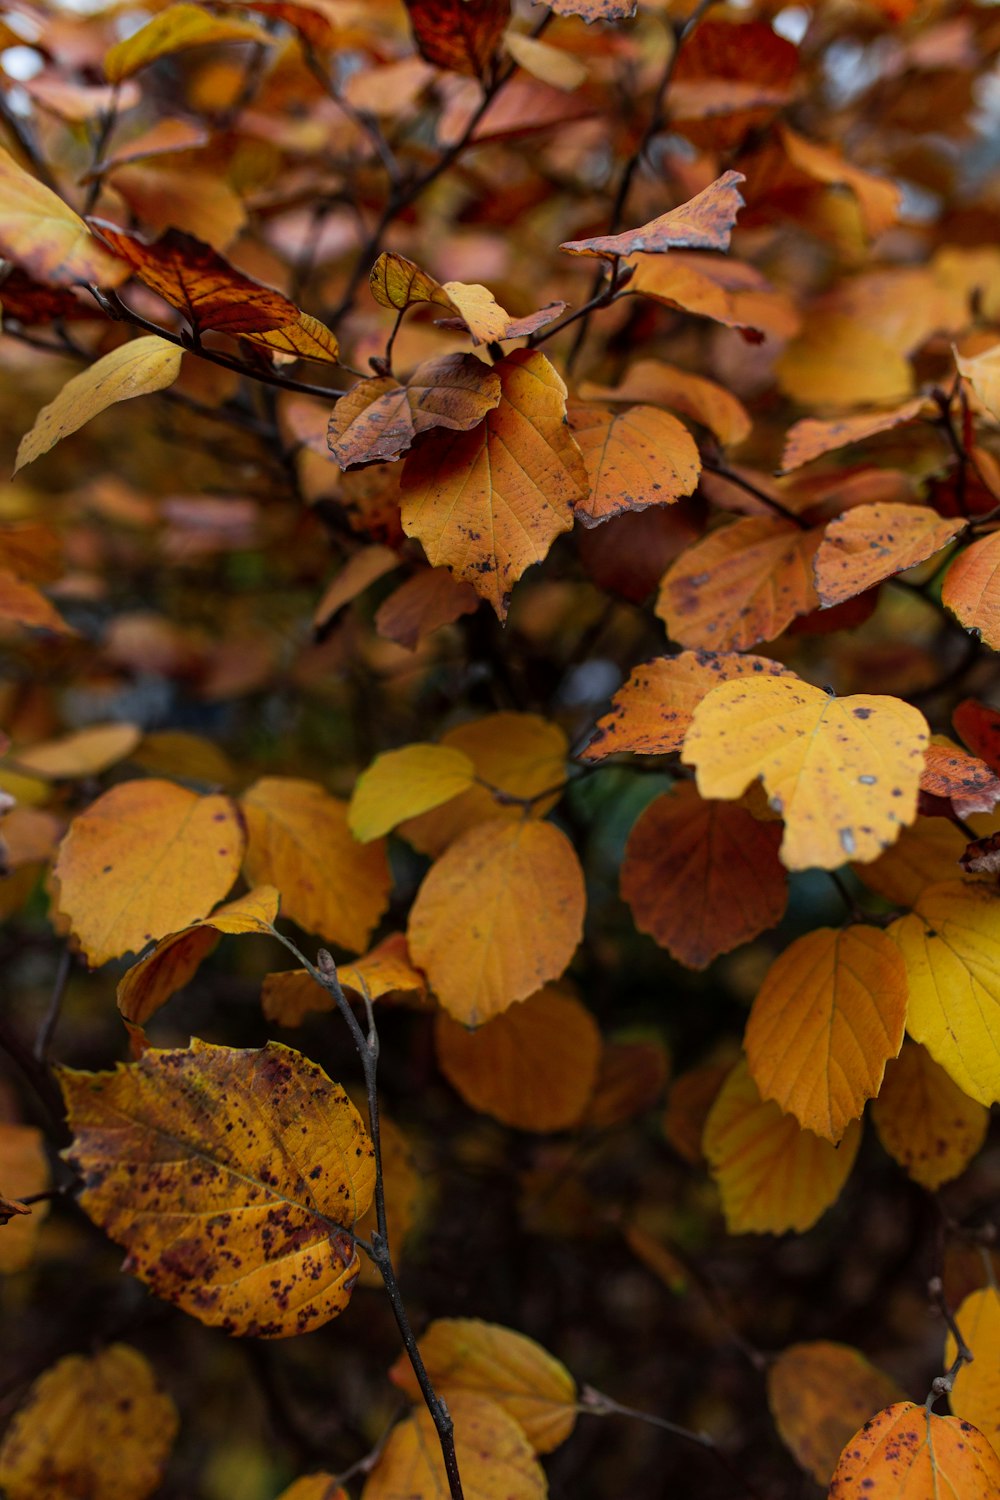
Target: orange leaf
(872,542)
(702,877)
(147,858)
(421,605)
(652,713)
(826,1020)
(975,1396)
(454,391)
(651,382)
(313,26)
(460,35)
(192,1224)
(979,726)
(24,1171)
(691,1098)
(972,785)
(312,1486)
(42,234)
(818,1394)
(925,1121)
(705,222)
(490,502)
(359,572)
(716,289)
(494,1456)
(298,840)
(810,439)
(878,198)
(924,854)
(22,604)
(635,458)
(771,1175)
(910,1453)
(498,916)
(532,1068)
(841,361)
(741,584)
(595,10)
(304,337)
(971,589)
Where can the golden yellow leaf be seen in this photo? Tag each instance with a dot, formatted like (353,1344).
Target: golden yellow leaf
(43,234)
(839,361)
(911,1454)
(404,783)
(479,310)
(826,1020)
(872,542)
(949,945)
(533,1067)
(635,458)
(231,1177)
(397,282)
(878,198)
(520,755)
(842,772)
(739,585)
(489,502)
(924,854)
(298,840)
(465,1356)
(651,382)
(971,588)
(819,1394)
(771,1175)
(97,1427)
(176,959)
(145,859)
(85,752)
(494,1457)
(386,972)
(137,368)
(498,916)
(975,1396)
(924,1120)
(174,30)
(983,373)
(24,1171)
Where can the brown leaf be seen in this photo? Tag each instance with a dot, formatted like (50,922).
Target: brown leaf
(705,222)
(423,604)
(460,35)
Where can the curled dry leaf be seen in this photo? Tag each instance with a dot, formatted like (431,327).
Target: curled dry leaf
(971,589)
(246,1223)
(826,1020)
(41,233)
(24,1171)
(705,222)
(910,1453)
(635,458)
(145,859)
(532,1068)
(498,916)
(870,543)
(401,784)
(925,1121)
(465,1356)
(378,420)
(811,439)
(842,772)
(175,30)
(975,1395)
(702,877)
(771,1175)
(819,1393)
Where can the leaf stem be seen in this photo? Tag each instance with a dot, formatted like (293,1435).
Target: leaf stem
(941,1385)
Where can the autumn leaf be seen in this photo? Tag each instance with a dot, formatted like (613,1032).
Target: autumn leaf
(819,1393)
(924,854)
(460,35)
(498,916)
(912,1453)
(42,233)
(630,1080)
(725,291)
(979,726)
(652,382)
(842,772)
(551,64)
(385,973)
(878,199)
(174,30)
(83,752)
(90,1426)
(145,859)
(982,371)
(839,361)
(494,1457)
(24,1171)
(702,877)
(828,1017)
(490,502)
(811,439)
(401,784)
(359,572)
(975,1395)
(635,458)
(948,943)
(314,1486)
(688,1104)
(970,784)
(532,1068)
(772,1176)
(298,840)
(872,542)
(595,10)
(739,585)
(233,1123)
(395,281)
(705,222)
(424,603)
(925,1121)
(971,588)
(137,368)
(468,1357)
(377,420)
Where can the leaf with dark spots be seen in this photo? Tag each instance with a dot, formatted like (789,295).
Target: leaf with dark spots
(909,1453)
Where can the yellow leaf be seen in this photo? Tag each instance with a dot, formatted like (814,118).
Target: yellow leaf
(819,1394)
(842,772)
(468,1356)
(494,1457)
(174,752)
(306,338)
(772,1176)
(949,946)
(983,373)
(43,234)
(145,859)
(840,361)
(242,1222)
(635,458)
(971,588)
(134,369)
(176,958)
(498,916)
(100,1426)
(403,783)
(85,752)
(298,840)
(911,1454)
(488,503)
(827,1018)
(173,30)
(291,995)
(553,66)
(397,282)
(478,309)
(924,1120)
(975,1396)
(872,542)
(533,1068)
(24,1171)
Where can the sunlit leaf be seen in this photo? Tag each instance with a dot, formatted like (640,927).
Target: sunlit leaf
(839,361)
(924,1120)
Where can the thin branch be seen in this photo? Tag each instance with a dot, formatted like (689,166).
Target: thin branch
(724,472)
(98,166)
(25,140)
(43,1041)
(941,1385)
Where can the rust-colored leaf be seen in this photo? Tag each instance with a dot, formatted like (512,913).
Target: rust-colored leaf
(872,542)
(635,458)
(972,785)
(631,1078)
(910,1454)
(818,1394)
(979,726)
(811,439)
(460,35)
(925,1121)
(423,604)
(971,589)
(705,222)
